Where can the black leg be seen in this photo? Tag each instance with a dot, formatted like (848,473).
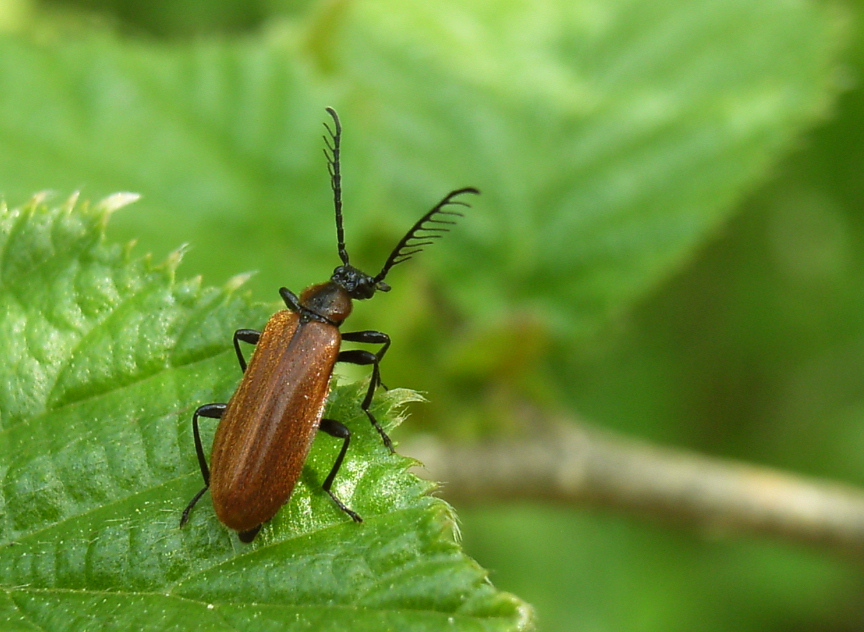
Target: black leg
(246,335)
(362,358)
(185,517)
(214,411)
(291,300)
(340,431)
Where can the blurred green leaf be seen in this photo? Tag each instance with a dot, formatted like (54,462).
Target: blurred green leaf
(610,138)
(104,359)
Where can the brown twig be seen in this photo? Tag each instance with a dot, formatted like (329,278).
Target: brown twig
(572,463)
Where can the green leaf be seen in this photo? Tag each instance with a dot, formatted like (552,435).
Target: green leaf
(104,358)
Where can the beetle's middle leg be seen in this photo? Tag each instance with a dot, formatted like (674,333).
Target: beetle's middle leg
(252,336)
(213,411)
(362,358)
(340,431)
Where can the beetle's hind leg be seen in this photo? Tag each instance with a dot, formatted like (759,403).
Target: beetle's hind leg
(340,431)
(213,411)
(362,358)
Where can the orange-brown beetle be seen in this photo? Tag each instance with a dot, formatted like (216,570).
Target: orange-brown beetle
(267,428)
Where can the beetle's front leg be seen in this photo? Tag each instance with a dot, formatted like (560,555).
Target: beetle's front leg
(362,358)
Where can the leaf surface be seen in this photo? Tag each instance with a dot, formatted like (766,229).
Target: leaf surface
(104,360)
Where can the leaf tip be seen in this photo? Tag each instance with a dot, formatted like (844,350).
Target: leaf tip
(238,280)
(129,246)
(174,258)
(116,201)
(70,202)
(40,197)
(525,619)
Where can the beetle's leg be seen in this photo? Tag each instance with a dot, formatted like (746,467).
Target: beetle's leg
(340,431)
(291,300)
(360,357)
(246,335)
(373,338)
(214,411)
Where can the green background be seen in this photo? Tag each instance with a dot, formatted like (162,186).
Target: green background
(669,241)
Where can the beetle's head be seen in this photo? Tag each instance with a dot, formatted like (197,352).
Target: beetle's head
(358,284)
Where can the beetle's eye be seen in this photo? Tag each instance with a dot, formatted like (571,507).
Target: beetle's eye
(366,288)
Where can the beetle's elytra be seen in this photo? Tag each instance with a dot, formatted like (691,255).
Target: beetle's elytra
(267,427)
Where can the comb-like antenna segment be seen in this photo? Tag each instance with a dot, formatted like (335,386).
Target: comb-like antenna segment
(427,229)
(331,151)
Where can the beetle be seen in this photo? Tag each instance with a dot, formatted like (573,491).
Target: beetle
(266,429)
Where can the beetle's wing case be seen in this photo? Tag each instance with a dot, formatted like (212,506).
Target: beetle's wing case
(267,429)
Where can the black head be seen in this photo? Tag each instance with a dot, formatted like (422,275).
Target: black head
(424,232)
(357,283)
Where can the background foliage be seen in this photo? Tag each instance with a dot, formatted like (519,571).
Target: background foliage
(669,240)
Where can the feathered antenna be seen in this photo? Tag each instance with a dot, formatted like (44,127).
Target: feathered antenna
(332,144)
(427,229)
